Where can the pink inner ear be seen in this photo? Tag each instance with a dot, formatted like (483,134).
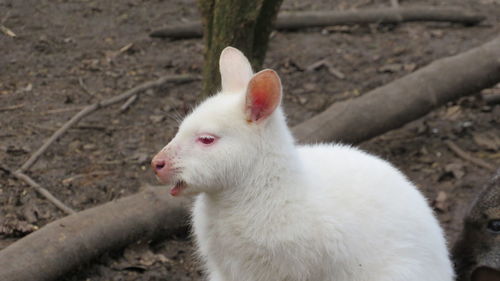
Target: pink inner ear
(263,95)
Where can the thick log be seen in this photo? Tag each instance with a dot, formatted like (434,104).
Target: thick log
(382,15)
(298,20)
(406,99)
(75,240)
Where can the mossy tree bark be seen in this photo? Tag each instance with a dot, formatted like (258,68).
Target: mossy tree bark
(243,24)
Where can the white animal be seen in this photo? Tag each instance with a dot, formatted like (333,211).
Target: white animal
(267,209)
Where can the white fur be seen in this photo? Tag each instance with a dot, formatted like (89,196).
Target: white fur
(235,70)
(269,210)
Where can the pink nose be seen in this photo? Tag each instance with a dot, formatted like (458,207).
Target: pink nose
(161,167)
(157,164)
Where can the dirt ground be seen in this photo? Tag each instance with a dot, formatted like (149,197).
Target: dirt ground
(64,57)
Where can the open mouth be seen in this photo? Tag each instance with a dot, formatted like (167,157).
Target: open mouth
(178,187)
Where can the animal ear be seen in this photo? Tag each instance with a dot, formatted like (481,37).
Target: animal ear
(263,95)
(235,70)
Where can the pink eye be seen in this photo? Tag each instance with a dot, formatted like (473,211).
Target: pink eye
(207,139)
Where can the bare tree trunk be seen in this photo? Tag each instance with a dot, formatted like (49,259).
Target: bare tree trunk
(243,24)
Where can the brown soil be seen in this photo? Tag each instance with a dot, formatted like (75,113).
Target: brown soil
(62,42)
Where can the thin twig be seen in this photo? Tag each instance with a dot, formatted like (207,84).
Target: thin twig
(459,152)
(67,181)
(84,87)
(326,63)
(42,191)
(103,103)
(13,107)
(126,105)
(7,31)
(316,65)
(334,71)
(113,55)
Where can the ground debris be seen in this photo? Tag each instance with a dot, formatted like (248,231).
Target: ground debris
(456,169)
(14,227)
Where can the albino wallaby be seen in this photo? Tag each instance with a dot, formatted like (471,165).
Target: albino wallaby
(270,210)
(477,252)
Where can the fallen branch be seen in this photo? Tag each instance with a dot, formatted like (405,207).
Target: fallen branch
(382,15)
(42,191)
(406,99)
(466,156)
(93,107)
(75,240)
(298,20)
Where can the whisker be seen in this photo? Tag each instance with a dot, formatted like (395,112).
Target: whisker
(176,116)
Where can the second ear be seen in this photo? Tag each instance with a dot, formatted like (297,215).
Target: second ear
(263,95)
(235,70)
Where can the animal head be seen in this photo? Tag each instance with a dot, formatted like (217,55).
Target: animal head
(218,144)
(477,252)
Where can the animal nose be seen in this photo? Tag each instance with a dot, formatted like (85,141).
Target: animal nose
(162,167)
(157,164)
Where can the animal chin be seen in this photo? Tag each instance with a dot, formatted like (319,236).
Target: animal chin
(178,187)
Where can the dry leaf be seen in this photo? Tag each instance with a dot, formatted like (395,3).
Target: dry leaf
(457,169)
(488,140)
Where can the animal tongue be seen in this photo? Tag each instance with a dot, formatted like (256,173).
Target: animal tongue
(176,190)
